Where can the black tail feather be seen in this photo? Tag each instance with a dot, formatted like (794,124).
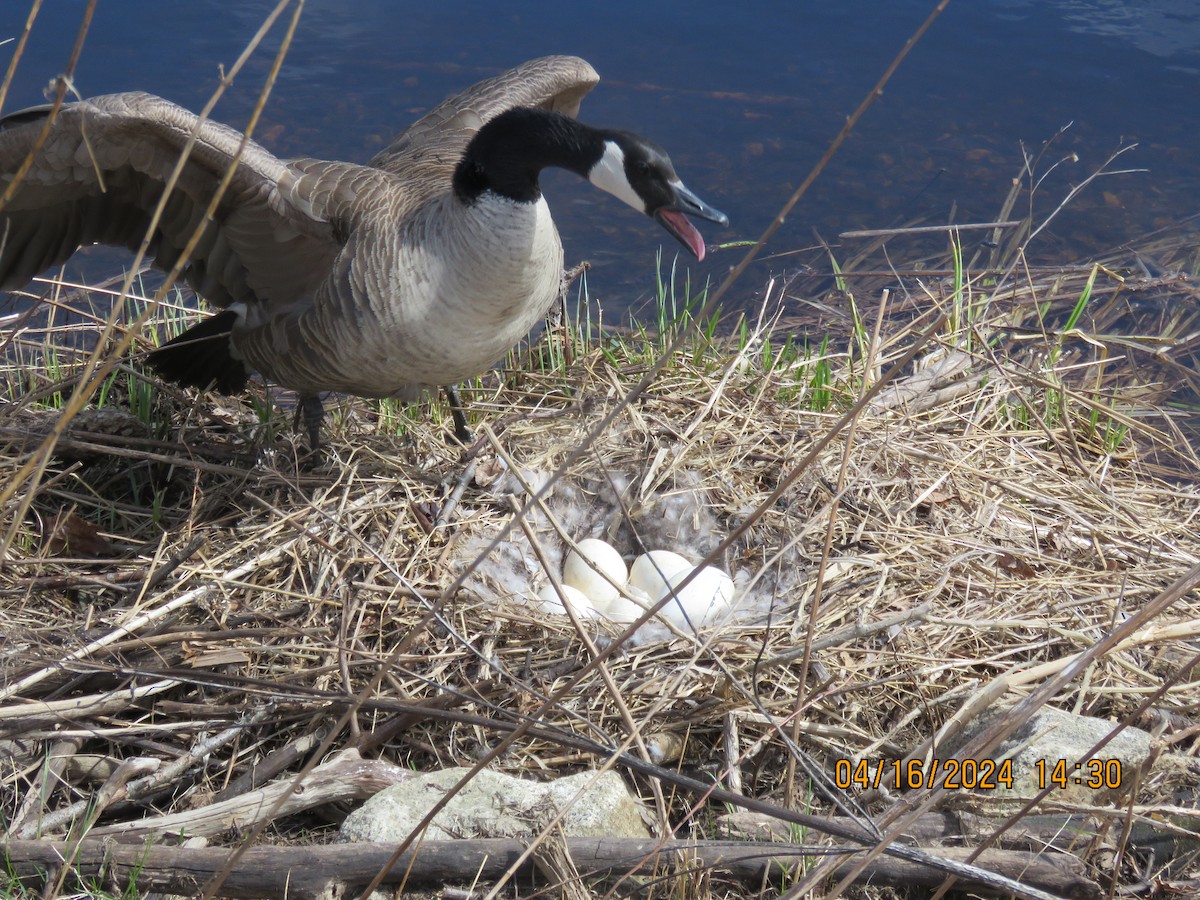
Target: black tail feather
(202,357)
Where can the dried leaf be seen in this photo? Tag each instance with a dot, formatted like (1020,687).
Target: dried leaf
(488,471)
(69,535)
(1006,562)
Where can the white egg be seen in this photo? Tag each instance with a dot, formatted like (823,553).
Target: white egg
(578,574)
(650,571)
(624,610)
(548,601)
(704,600)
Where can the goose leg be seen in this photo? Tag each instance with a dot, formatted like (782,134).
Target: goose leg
(462,431)
(313,411)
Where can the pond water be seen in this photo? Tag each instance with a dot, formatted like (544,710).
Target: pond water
(746,99)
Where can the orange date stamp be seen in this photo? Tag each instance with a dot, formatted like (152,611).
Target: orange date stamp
(914,774)
(973,774)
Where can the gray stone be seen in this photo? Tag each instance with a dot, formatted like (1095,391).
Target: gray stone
(1053,735)
(494,805)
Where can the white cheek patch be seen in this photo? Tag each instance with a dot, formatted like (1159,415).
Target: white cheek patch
(609,175)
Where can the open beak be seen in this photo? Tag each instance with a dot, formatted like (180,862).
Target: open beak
(673,217)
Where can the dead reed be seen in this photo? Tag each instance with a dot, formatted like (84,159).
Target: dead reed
(186,599)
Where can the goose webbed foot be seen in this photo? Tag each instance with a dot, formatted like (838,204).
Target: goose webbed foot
(462,431)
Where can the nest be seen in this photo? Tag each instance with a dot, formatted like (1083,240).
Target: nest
(182,586)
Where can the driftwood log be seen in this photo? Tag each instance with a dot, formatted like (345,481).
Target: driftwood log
(331,871)
(347,776)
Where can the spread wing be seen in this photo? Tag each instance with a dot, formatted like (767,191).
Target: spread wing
(431,147)
(105,162)
(101,171)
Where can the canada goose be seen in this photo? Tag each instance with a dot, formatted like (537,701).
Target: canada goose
(417,270)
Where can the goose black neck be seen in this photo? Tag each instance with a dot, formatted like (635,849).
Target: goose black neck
(507,154)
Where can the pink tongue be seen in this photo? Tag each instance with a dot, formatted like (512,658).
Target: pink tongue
(684,230)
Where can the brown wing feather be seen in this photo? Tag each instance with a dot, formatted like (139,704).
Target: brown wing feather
(431,147)
(101,172)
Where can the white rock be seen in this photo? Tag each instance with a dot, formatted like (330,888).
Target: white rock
(578,574)
(622,609)
(547,601)
(650,571)
(705,599)
(493,804)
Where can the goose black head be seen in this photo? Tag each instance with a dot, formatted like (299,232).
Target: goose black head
(507,154)
(639,172)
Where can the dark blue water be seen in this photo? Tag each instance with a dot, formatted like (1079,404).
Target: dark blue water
(745,97)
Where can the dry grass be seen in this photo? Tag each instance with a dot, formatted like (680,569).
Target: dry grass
(1011,499)
(190,608)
